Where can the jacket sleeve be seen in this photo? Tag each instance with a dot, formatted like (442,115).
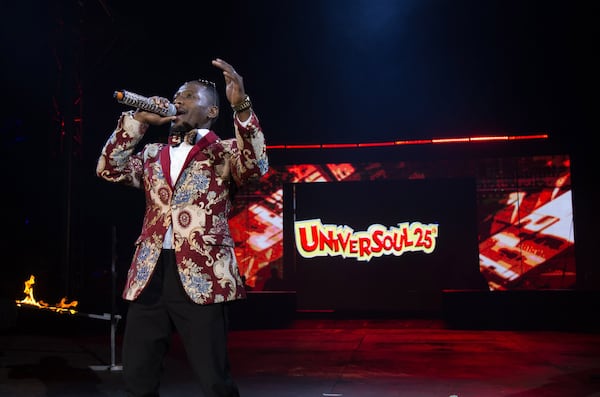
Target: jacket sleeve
(117,163)
(250,161)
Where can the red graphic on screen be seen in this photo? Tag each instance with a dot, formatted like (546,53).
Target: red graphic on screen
(524,208)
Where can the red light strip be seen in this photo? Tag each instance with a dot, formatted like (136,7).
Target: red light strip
(518,137)
(376,144)
(338,145)
(412,142)
(489,138)
(302,146)
(449,140)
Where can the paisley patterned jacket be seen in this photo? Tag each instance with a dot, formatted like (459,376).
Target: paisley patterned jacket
(197,204)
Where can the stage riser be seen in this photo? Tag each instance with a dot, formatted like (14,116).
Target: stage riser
(540,310)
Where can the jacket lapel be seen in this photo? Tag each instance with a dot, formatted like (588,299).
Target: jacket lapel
(202,143)
(165,163)
(165,156)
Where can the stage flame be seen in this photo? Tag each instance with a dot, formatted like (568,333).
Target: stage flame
(61,307)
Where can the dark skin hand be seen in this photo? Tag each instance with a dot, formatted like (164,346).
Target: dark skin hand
(234,86)
(234,90)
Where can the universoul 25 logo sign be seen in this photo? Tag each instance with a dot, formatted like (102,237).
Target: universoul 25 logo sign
(313,239)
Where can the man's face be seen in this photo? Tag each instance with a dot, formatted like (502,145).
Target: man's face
(193,107)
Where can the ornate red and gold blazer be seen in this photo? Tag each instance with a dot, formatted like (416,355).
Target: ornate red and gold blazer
(197,204)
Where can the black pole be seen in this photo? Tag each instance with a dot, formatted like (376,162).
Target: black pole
(113,312)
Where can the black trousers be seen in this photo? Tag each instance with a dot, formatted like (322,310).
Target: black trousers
(162,309)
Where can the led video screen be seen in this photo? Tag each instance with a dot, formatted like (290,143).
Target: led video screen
(382,245)
(524,217)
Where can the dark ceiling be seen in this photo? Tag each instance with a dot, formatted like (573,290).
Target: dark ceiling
(317,71)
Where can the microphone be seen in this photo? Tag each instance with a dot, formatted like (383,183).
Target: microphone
(144,103)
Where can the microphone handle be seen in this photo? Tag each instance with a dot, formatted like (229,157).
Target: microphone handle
(144,103)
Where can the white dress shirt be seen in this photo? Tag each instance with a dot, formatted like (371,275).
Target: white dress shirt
(178,155)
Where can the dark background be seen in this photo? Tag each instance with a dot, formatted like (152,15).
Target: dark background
(317,72)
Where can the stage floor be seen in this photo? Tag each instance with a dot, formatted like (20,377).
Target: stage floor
(320,357)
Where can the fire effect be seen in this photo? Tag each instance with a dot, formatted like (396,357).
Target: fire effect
(61,307)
